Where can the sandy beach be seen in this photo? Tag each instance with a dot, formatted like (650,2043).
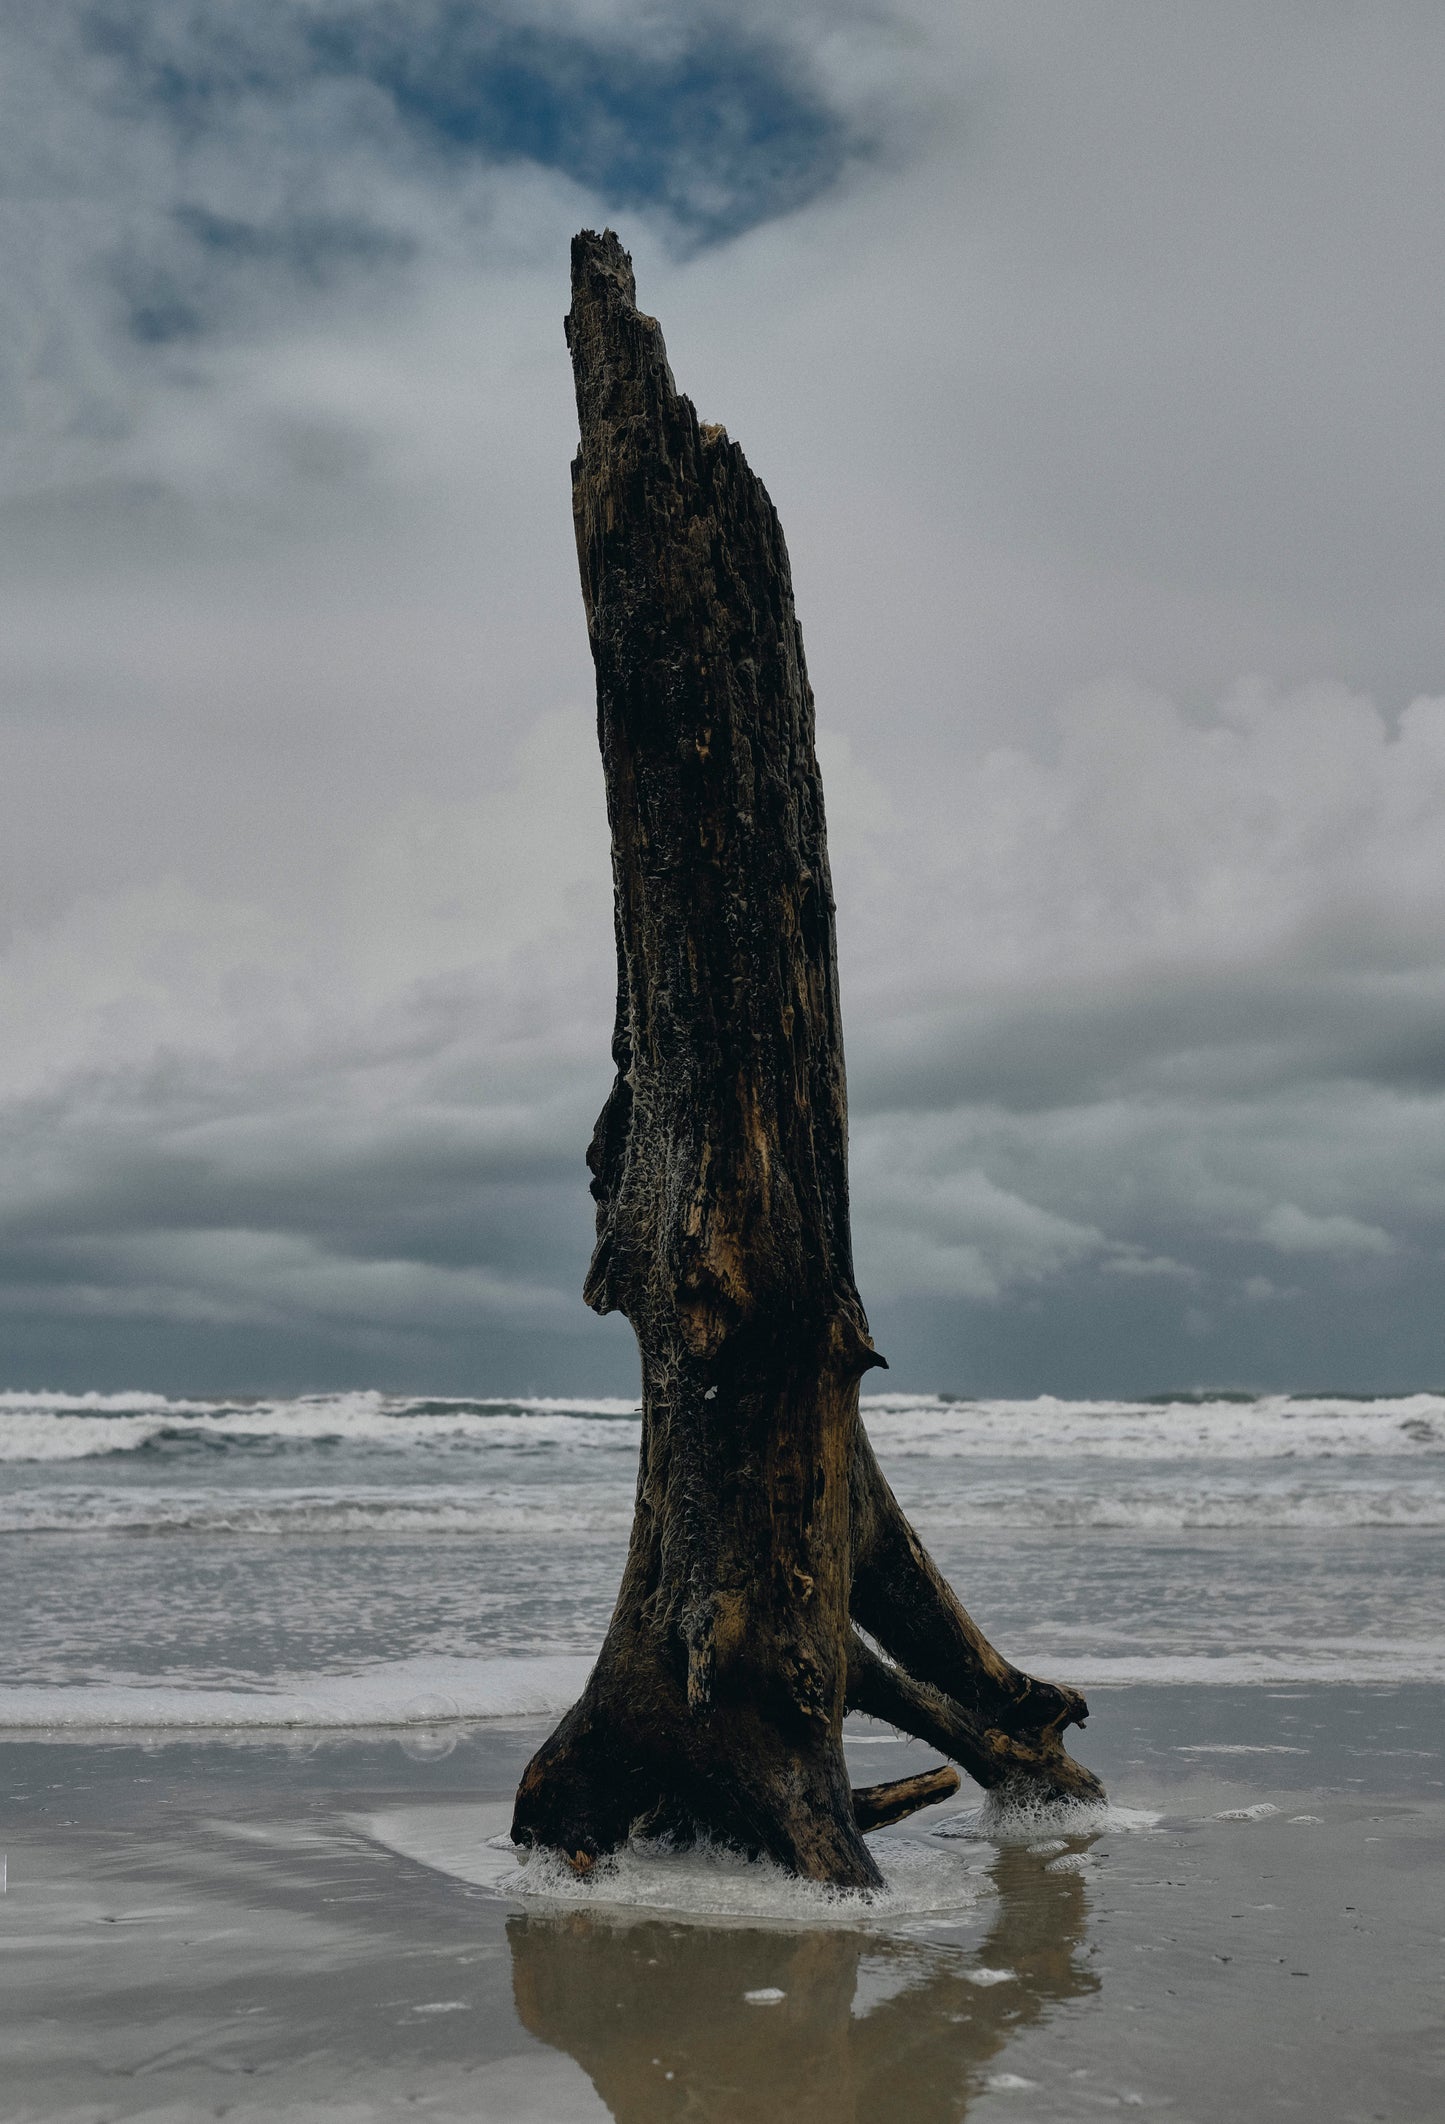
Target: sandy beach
(273,1670)
(294,1927)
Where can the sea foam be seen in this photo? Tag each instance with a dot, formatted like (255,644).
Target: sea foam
(1020,1818)
(437,1691)
(411,1692)
(469,1840)
(708,1883)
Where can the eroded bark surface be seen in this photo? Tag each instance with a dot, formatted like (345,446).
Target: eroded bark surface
(764,1529)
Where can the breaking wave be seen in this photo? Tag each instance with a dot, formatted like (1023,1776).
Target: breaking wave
(46,1426)
(603,1512)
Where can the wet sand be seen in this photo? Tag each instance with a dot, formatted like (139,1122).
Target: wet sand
(285,1929)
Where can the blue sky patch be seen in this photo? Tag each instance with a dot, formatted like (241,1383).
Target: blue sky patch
(708,130)
(718,135)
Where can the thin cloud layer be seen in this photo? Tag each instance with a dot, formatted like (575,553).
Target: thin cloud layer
(1091,363)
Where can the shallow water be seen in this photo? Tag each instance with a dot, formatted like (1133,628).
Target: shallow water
(292,1928)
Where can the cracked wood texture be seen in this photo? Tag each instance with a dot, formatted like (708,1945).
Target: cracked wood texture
(764,1529)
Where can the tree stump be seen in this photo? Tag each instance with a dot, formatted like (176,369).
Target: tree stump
(766,1539)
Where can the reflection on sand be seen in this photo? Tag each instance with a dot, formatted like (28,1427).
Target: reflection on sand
(868,2029)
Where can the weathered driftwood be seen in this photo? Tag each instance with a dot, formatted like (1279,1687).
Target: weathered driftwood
(765,1535)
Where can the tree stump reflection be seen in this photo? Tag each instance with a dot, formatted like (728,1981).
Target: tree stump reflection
(870,2028)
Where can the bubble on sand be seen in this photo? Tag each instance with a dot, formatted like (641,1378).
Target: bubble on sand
(769,1995)
(1260,1812)
(426,1744)
(1007,2082)
(985,1977)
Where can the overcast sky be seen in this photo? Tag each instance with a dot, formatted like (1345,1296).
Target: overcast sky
(1093,356)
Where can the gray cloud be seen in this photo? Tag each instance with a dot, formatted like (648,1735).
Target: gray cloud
(1071,345)
(1292,1230)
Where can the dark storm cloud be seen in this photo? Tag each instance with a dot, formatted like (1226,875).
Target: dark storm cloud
(303,1201)
(275,1146)
(1165,1076)
(1233,1035)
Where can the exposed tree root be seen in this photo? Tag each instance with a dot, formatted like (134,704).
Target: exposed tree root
(944,1682)
(875,1806)
(991,1757)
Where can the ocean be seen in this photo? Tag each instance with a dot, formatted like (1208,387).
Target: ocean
(273,1668)
(369,1560)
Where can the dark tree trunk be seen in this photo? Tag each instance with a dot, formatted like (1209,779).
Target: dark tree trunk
(764,1528)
